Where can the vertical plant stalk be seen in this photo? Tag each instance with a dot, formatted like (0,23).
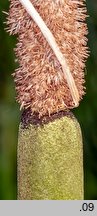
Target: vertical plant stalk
(51,50)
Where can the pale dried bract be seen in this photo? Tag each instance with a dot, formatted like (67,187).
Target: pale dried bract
(40,83)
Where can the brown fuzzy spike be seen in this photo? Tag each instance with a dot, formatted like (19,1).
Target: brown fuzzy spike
(40,82)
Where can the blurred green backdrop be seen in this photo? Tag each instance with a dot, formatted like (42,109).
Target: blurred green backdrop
(86,113)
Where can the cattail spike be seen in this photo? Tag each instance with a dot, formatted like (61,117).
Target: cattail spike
(51,50)
(51,40)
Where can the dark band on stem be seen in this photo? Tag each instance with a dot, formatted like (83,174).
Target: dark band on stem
(29,118)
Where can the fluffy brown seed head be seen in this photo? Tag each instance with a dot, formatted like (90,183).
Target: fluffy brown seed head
(40,83)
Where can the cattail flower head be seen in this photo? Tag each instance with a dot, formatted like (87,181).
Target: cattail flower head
(40,81)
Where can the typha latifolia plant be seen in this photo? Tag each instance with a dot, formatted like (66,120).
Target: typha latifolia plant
(51,51)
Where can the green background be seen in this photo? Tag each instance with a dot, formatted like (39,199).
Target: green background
(86,113)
